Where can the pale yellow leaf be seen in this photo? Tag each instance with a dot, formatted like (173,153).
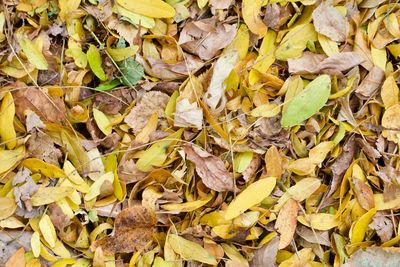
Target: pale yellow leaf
(48,231)
(152,9)
(7,112)
(319,221)
(102,121)
(251,10)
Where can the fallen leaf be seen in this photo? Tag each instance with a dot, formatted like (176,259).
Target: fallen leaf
(48,108)
(330,22)
(33,53)
(307,102)
(383,226)
(249,197)
(319,221)
(210,168)
(188,114)
(286,222)
(266,256)
(17,260)
(215,96)
(205,38)
(94,59)
(372,255)
(134,228)
(154,9)
(370,84)
(251,10)
(140,114)
(7,112)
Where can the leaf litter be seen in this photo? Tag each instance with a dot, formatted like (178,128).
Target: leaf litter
(199,133)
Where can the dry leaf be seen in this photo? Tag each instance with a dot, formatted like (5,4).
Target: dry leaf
(330,22)
(188,114)
(211,169)
(134,228)
(371,83)
(286,223)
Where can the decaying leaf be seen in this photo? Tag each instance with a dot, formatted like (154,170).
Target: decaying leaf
(134,228)
(211,169)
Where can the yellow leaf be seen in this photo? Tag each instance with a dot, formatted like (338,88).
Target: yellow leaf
(302,166)
(381,204)
(157,153)
(240,43)
(94,190)
(47,169)
(202,3)
(295,41)
(119,54)
(188,206)
(379,57)
(329,46)
(33,53)
(75,51)
(35,244)
(8,158)
(66,262)
(7,112)
(319,221)
(359,228)
(152,9)
(234,254)
(7,207)
(48,231)
(72,173)
(242,161)
(250,197)
(300,191)
(47,195)
(189,250)
(102,121)
(11,223)
(390,92)
(318,153)
(266,110)
(251,15)
(151,126)
(266,55)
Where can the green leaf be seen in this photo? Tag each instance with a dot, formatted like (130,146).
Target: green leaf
(132,71)
(94,59)
(32,52)
(108,85)
(307,102)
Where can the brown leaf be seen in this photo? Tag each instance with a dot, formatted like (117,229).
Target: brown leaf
(210,168)
(328,21)
(341,164)
(311,63)
(383,226)
(48,108)
(58,217)
(364,194)
(206,37)
(286,222)
(134,229)
(314,236)
(371,83)
(370,151)
(151,102)
(129,173)
(41,146)
(266,256)
(252,168)
(162,70)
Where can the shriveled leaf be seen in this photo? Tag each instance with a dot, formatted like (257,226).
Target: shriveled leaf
(286,222)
